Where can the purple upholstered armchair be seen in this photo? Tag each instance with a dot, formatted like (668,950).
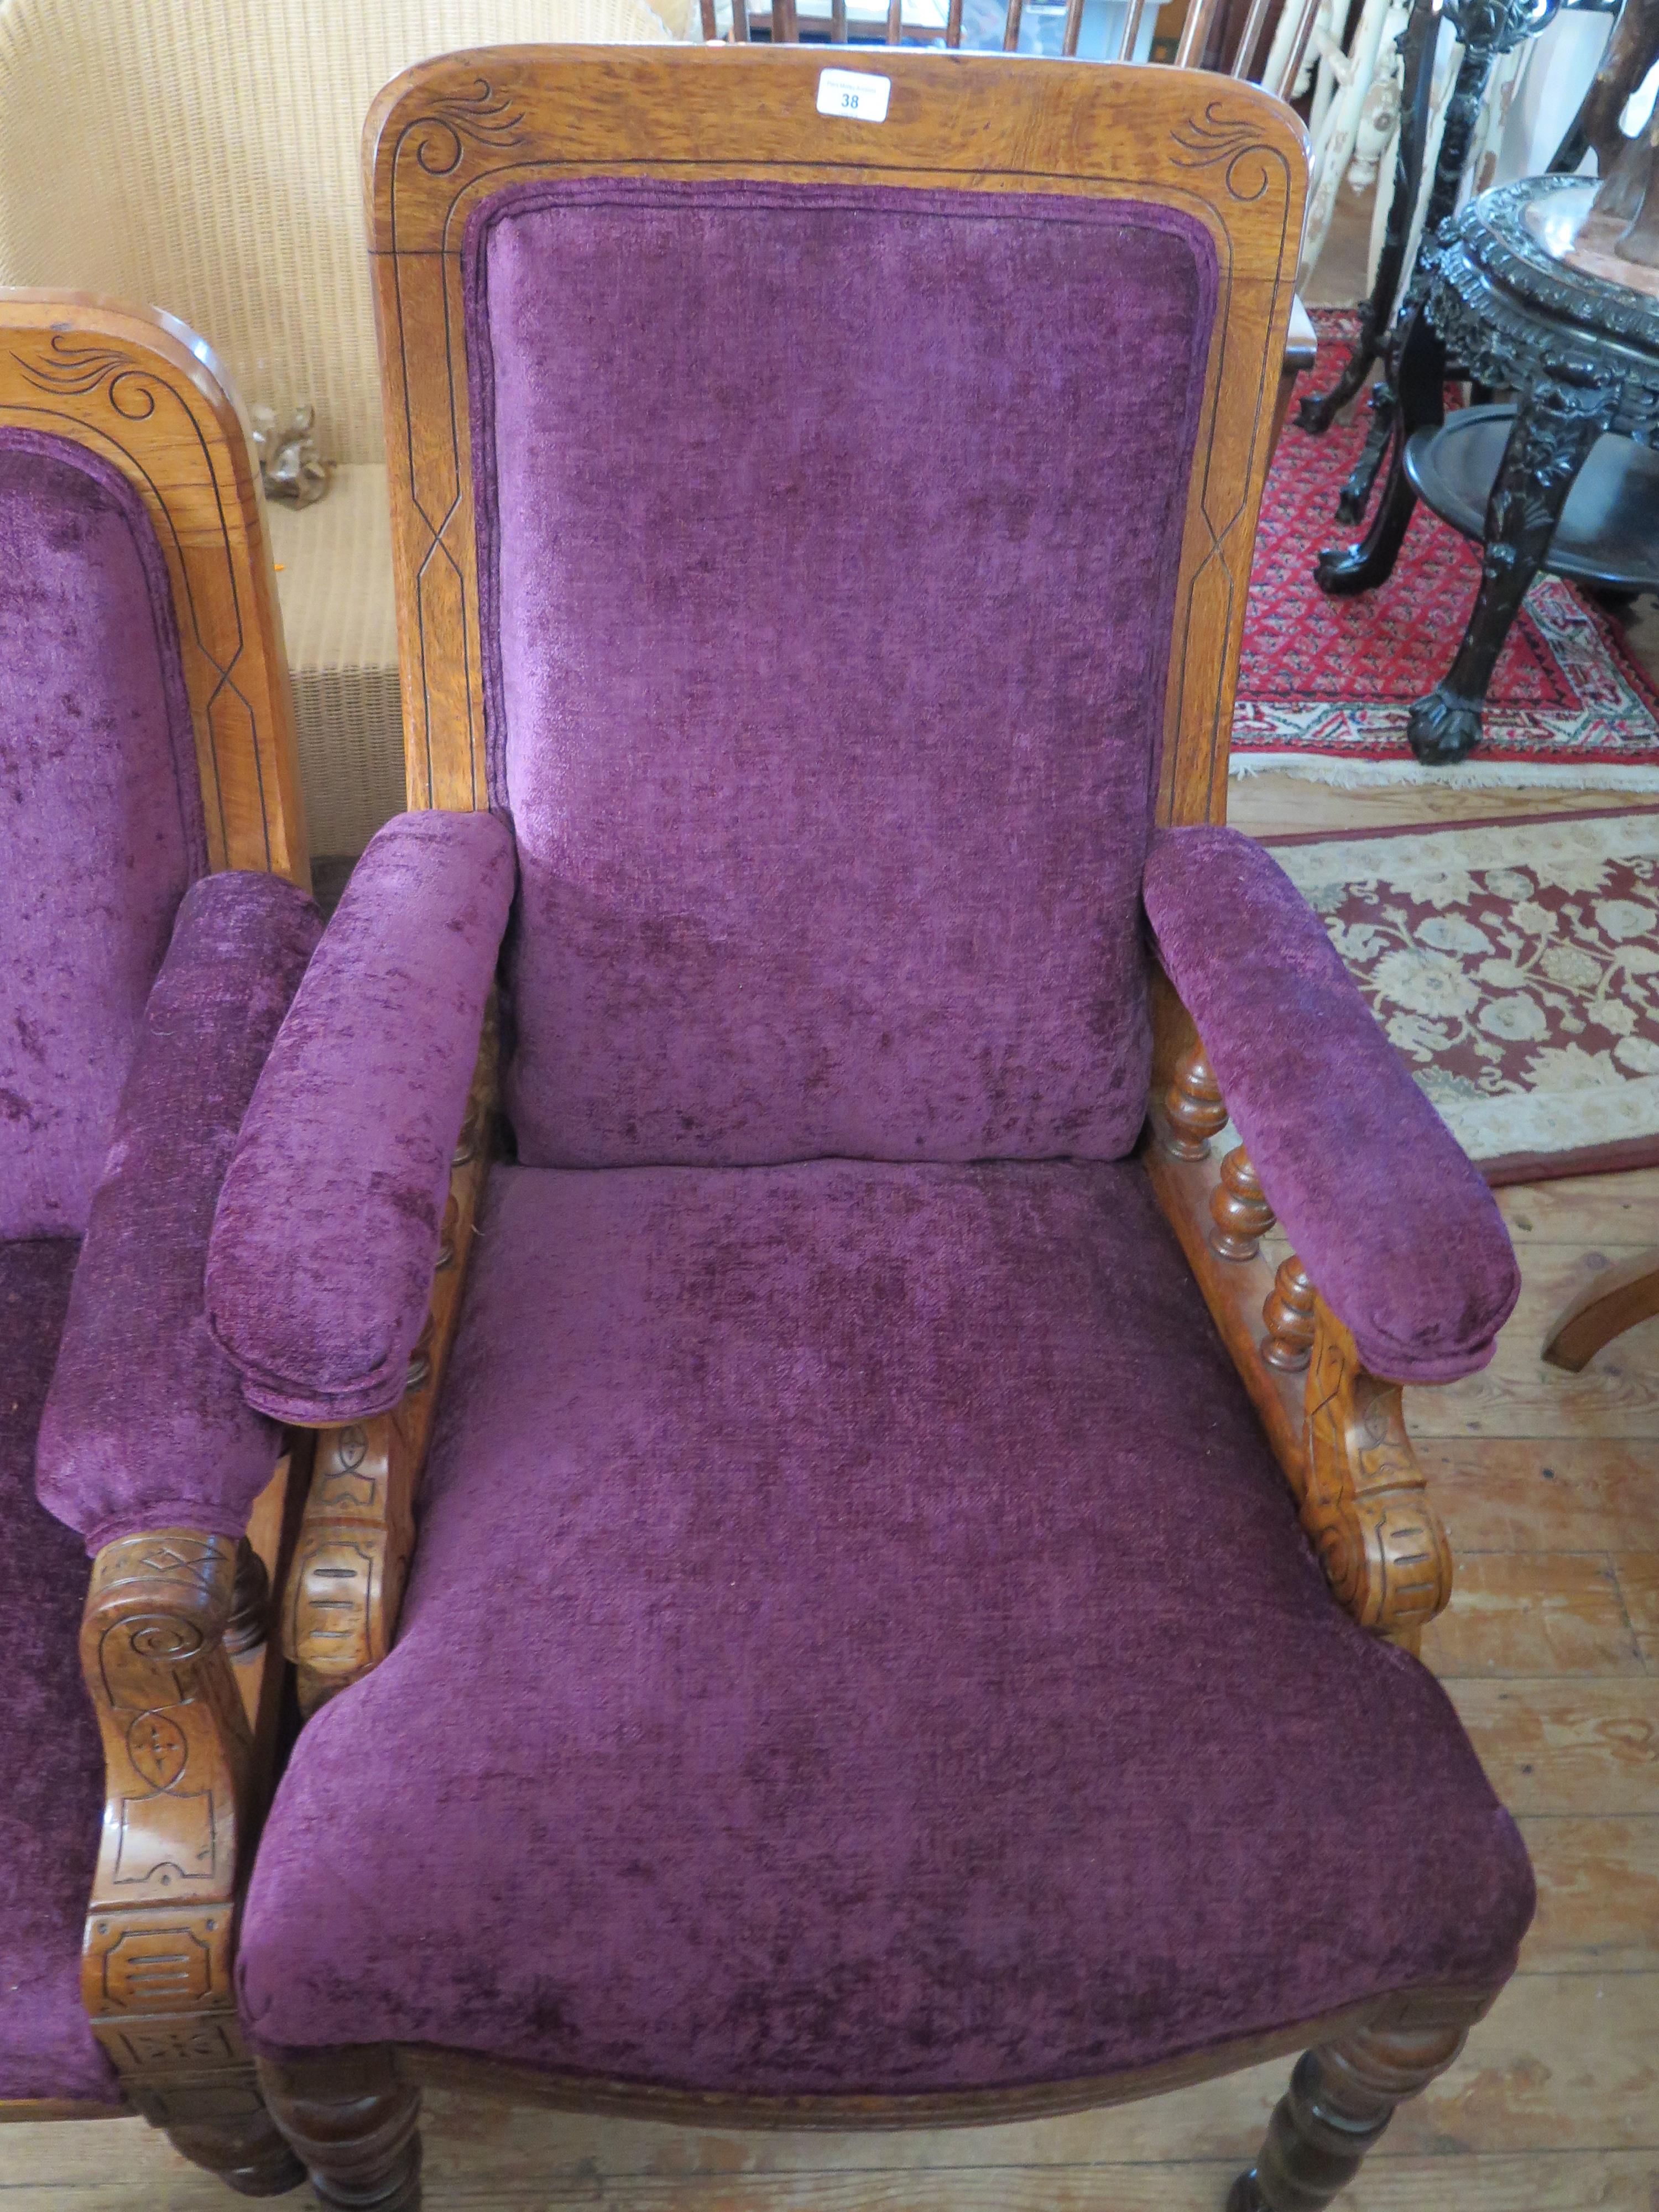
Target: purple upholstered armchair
(892,1633)
(154,923)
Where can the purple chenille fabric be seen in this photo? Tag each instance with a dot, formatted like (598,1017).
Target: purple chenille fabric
(1387,1213)
(101,813)
(146,1425)
(327,1229)
(51,1805)
(826,709)
(860,1641)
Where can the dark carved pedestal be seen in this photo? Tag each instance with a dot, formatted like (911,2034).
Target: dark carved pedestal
(1487,28)
(1527,295)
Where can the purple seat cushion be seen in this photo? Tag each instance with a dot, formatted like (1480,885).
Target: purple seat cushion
(146,1425)
(828,546)
(101,813)
(1388,1214)
(858,1640)
(53,1801)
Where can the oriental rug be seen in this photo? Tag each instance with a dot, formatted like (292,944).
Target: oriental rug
(1514,965)
(1325,684)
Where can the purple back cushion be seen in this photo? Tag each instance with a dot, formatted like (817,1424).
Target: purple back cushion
(101,814)
(828,543)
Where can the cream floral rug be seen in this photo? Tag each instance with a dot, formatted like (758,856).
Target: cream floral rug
(1516,966)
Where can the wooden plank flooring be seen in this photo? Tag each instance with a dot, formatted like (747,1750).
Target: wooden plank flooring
(1550,1486)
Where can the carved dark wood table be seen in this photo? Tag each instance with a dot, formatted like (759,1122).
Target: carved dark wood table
(1525,292)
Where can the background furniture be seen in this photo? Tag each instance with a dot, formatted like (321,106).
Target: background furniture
(155,925)
(1449,130)
(1632,50)
(834,1500)
(1524,293)
(219,175)
(1283,26)
(1486,29)
(1612,1302)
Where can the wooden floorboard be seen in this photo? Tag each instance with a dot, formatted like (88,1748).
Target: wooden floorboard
(1545,1494)
(1573,1744)
(476,2172)
(1598,1894)
(1517,1395)
(1550,1487)
(1531,1614)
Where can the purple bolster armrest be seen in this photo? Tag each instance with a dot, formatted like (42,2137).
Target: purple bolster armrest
(1395,1226)
(327,1233)
(145,1426)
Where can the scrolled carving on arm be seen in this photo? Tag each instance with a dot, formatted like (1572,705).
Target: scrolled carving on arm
(1365,1504)
(346,1584)
(155,1974)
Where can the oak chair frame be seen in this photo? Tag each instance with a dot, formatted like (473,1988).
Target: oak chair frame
(173,1642)
(441,139)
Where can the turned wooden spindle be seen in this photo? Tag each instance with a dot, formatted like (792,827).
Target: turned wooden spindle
(1242,1216)
(1193,1109)
(1289,1315)
(420,1360)
(446,1236)
(250,1602)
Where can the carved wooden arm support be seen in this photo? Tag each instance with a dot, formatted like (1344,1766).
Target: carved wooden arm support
(1339,1435)
(155,1963)
(346,1585)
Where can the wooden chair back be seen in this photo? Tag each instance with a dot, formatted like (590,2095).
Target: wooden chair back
(449,134)
(142,392)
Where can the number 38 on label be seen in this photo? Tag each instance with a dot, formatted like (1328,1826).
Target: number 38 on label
(854,93)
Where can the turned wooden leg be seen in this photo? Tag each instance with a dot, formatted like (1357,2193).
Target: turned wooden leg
(1549,444)
(249,2155)
(354,2121)
(1341,2097)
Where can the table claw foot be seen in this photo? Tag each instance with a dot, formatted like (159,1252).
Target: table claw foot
(1443,728)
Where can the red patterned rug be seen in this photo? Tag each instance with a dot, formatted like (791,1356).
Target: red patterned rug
(1325,684)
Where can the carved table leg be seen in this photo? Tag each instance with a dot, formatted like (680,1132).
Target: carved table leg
(1356,494)
(1377,313)
(1341,2097)
(1420,386)
(1549,444)
(354,2121)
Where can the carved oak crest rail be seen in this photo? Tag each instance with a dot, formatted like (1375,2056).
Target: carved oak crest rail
(990,124)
